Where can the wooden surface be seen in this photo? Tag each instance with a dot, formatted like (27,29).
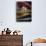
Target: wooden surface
(11,40)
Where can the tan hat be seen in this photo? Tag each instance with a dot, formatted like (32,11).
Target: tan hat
(39,40)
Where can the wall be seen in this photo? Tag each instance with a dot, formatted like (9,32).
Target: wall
(39,18)
(37,28)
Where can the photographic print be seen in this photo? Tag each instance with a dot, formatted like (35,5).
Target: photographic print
(23,11)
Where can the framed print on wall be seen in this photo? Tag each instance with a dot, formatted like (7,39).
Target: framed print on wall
(23,11)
